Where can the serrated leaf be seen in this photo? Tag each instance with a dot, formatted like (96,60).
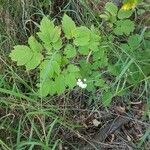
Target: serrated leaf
(46,69)
(57,58)
(70,51)
(124,27)
(46,25)
(72,68)
(46,87)
(134,41)
(84,50)
(99,54)
(34,62)
(82,36)
(57,45)
(34,44)
(68,26)
(46,28)
(21,54)
(70,80)
(56,67)
(124,14)
(50,66)
(55,34)
(60,84)
(50,34)
(111,8)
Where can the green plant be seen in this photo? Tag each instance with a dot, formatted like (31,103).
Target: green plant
(65,53)
(62,58)
(118,19)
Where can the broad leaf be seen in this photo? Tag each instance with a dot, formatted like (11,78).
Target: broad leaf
(82,36)
(70,80)
(134,41)
(46,70)
(46,87)
(70,51)
(49,34)
(111,8)
(30,57)
(124,27)
(122,14)
(34,44)
(72,68)
(60,84)
(83,50)
(21,54)
(35,61)
(68,26)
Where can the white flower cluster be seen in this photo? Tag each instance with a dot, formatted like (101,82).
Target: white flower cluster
(81,84)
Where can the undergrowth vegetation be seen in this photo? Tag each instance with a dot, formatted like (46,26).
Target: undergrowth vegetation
(68,69)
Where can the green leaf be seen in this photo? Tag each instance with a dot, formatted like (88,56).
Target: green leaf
(100,83)
(82,36)
(84,50)
(30,57)
(57,45)
(46,87)
(70,51)
(124,27)
(104,16)
(68,26)
(21,54)
(57,57)
(111,8)
(70,80)
(50,34)
(46,28)
(46,69)
(122,14)
(35,61)
(90,86)
(107,98)
(72,68)
(56,67)
(50,66)
(99,54)
(85,68)
(60,84)
(134,41)
(55,34)
(34,44)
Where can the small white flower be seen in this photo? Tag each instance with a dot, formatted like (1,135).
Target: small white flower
(79,80)
(83,86)
(79,84)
